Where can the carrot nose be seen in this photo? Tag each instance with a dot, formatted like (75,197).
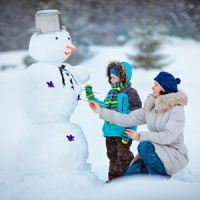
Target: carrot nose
(71,47)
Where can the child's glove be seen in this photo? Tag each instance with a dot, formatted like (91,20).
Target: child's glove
(125,139)
(89,92)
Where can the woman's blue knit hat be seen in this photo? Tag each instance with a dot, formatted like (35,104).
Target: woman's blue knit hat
(114,71)
(167,81)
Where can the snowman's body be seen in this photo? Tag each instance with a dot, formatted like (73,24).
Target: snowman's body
(53,92)
(48,149)
(52,142)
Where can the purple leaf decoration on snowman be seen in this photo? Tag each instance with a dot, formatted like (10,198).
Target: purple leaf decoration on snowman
(78,98)
(70,137)
(50,84)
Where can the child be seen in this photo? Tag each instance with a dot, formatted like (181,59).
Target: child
(122,98)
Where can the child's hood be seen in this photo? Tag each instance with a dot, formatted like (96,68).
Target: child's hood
(124,69)
(128,69)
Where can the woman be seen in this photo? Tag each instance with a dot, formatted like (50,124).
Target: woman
(161,150)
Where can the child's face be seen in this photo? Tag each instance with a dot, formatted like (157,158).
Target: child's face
(114,78)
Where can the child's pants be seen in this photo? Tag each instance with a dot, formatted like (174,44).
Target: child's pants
(119,156)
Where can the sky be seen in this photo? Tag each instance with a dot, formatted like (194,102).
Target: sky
(39,161)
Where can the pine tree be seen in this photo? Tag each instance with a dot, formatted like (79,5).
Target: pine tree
(148,45)
(149,41)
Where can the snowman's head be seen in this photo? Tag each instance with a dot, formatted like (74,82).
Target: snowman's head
(53,47)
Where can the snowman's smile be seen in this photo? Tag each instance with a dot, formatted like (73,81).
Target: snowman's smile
(70,48)
(67,53)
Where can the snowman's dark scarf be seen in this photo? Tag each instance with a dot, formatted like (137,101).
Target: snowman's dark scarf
(62,70)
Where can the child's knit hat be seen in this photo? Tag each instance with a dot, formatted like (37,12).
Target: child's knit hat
(114,71)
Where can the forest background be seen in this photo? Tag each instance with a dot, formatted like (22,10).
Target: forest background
(98,22)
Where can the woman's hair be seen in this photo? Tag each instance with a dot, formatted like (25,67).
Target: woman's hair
(164,92)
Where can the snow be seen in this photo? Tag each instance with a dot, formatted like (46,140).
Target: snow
(78,169)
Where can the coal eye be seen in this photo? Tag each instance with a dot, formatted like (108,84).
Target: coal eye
(69,38)
(56,38)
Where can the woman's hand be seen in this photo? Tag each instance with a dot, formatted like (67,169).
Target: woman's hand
(133,134)
(95,107)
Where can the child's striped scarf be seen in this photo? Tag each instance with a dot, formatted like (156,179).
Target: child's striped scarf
(111,98)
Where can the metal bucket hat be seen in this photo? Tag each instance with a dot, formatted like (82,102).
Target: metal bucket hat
(48,21)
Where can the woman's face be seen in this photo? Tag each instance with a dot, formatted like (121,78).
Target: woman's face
(157,88)
(114,78)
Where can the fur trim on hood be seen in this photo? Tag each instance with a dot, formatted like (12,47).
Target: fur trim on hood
(165,102)
(121,70)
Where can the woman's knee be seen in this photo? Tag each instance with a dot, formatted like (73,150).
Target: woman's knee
(145,147)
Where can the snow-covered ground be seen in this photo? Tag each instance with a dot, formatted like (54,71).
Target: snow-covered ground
(72,184)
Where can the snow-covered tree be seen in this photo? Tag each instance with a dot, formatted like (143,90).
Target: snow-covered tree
(148,55)
(148,43)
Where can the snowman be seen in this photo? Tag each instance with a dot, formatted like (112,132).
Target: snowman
(51,93)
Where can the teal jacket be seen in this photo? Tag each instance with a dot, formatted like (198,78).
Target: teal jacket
(128,100)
